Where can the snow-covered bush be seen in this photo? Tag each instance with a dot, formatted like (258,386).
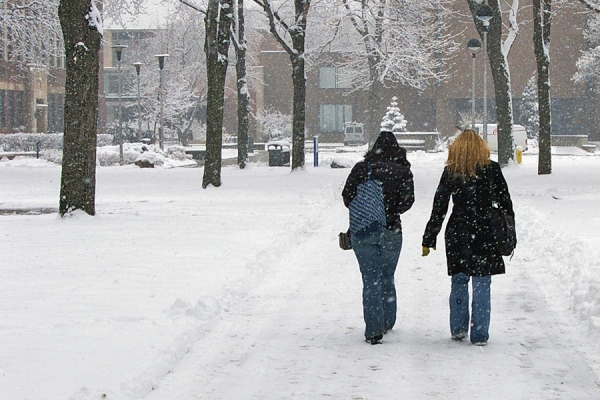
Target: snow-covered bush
(104,139)
(31,141)
(151,157)
(52,155)
(393,120)
(107,156)
(274,125)
(178,153)
(45,141)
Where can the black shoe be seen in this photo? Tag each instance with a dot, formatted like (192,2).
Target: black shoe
(459,336)
(375,339)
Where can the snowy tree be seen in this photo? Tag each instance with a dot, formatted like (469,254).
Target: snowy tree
(289,29)
(31,32)
(588,65)
(393,120)
(542,20)
(529,108)
(184,78)
(181,35)
(499,43)
(388,43)
(219,15)
(593,5)
(243,95)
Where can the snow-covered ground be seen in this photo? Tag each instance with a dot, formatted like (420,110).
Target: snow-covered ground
(241,292)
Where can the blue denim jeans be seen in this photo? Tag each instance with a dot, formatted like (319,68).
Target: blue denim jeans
(377,251)
(480,307)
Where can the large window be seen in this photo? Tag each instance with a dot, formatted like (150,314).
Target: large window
(13,105)
(56,112)
(332,78)
(333,116)
(111,83)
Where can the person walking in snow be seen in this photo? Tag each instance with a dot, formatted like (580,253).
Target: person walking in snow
(470,178)
(377,245)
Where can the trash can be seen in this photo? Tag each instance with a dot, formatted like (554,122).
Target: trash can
(279,155)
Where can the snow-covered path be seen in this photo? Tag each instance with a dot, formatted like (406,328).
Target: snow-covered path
(174,292)
(299,334)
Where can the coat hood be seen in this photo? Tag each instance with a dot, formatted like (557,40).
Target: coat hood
(386,148)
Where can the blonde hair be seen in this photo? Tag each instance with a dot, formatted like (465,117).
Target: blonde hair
(467,153)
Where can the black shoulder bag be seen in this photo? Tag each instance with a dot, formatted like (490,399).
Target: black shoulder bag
(502,224)
(345,242)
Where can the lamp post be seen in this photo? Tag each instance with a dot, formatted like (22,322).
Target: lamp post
(119,52)
(484,13)
(138,66)
(473,45)
(161,66)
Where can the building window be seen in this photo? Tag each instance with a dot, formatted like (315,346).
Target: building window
(332,78)
(14,105)
(333,116)
(111,83)
(56,111)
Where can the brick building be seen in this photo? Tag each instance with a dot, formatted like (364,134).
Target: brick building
(31,99)
(574,106)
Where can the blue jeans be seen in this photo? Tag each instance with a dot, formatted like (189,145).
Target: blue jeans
(480,306)
(377,251)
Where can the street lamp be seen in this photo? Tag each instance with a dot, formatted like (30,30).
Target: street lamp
(484,13)
(161,66)
(119,51)
(138,66)
(473,45)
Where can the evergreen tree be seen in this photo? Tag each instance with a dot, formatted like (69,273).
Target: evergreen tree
(393,120)
(530,117)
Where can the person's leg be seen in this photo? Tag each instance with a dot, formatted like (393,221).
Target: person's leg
(367,252)
(481,309)
(391,244)
(459,306)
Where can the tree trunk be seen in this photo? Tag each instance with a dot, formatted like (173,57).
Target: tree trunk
(541,44)
(243,96)
(216,47)
(297,32)
(299,110)
(82,45)
(298,36)
(501,77)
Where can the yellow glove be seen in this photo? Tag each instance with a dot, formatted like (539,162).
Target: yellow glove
(426,251)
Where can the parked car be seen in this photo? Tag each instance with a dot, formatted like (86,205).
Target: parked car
(519,135)
(353,134)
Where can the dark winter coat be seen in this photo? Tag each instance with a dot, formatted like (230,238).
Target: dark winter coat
(469,245)
(390,166)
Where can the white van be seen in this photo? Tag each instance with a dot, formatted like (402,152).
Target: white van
(519,135)
(353,134)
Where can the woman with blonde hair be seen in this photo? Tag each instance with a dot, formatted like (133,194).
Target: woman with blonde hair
(473,181)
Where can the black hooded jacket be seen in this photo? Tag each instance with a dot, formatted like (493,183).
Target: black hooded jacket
(390,166)
(469,243)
